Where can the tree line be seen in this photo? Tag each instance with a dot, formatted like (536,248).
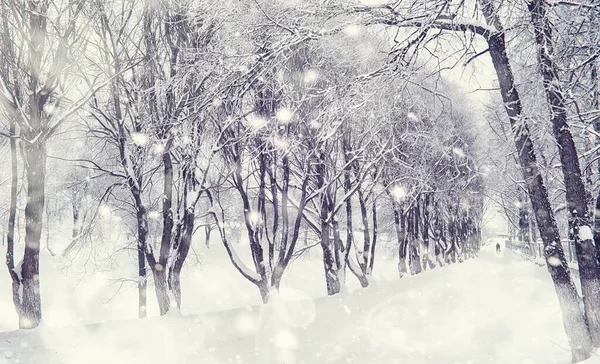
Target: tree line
(302,118)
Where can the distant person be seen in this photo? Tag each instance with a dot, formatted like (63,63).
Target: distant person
(497,248)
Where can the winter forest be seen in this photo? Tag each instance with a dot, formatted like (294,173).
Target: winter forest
(300,181)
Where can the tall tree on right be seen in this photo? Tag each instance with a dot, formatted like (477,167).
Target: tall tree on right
(579,220)
(573,318)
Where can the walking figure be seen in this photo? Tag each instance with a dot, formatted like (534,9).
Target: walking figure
(497,248)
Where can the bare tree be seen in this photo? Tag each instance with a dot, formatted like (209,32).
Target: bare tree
(33,92)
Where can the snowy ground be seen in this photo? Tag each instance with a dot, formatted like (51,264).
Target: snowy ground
(488,310)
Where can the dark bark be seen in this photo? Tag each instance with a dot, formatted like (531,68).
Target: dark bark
(349,223)
(35,168)
(374,241)
(357,271)
(14,178)
(142,247)
(523,222)
(573,319)
(289,243)
(160,269)
(10,235)
(589,270)
(253,228)
(400,228)
(415,243)
(436,243)
(450,255)
(441,243)
(159,274)
(329,264)
(34,157)
(427,242)
(364,263)
(331,275)
(182,250)
(596,124)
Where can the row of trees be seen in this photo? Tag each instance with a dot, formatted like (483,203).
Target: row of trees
(566,45)
(200,115)
(240,113)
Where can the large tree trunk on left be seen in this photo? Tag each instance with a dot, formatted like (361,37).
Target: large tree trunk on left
(35,167)
(12,215)
(589,270)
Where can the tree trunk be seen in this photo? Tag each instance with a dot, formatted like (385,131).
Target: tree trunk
(374,241)
(573,319)
(596,124)
(364,263)
(450,255)
(589,270)
(76,229)
(76,220)
(142,247)
(400,227)
(331,275)
(264,289)
(10,235)
(183,248)
(35,167)
(160,269)
(523,222)
(416,242)
(441,245)
(167,208)
(253,227)
(161,288)
(427,262)
(434,252)
(364,282)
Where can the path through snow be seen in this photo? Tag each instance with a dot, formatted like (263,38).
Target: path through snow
(487,310)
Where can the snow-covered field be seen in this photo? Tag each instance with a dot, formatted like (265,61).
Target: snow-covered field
(493,309)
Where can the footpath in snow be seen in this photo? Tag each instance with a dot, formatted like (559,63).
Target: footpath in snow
(493,309)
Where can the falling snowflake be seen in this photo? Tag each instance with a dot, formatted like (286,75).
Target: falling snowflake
(399,192)
(257,122)
(254,217)
(310,76)
(139,139)
(284,115)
